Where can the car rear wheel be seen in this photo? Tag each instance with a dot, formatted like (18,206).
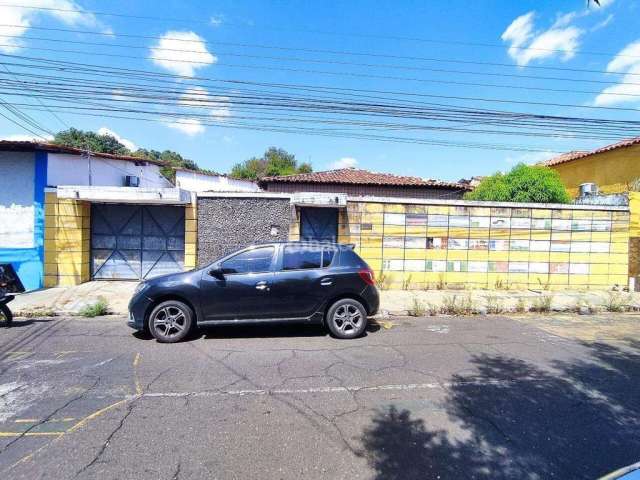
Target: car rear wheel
(170,321)
(347,318)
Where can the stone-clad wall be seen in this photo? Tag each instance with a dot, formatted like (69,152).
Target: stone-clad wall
(227,224)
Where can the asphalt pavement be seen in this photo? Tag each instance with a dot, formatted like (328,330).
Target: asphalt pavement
(437,397)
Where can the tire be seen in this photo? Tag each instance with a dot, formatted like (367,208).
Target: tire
(6,316)
(346,318)
(170,321)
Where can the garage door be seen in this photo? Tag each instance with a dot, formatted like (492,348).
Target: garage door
(135,241)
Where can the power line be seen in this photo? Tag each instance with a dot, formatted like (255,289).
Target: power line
(39,101)
(341,74)
(102,69)
(316,50)
(328,62)
(321,32)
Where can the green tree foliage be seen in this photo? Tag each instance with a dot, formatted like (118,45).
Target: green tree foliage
(524,183)
(172,160)
(275,161)
(90,141)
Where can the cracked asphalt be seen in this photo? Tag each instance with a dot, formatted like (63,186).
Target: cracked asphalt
(436,397)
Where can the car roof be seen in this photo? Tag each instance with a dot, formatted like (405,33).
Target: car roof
(305,242)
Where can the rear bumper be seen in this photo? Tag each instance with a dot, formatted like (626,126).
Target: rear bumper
(372,299)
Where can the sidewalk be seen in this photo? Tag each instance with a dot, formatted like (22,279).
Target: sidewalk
(70,300)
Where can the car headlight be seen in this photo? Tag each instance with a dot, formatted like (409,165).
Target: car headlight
(140,287)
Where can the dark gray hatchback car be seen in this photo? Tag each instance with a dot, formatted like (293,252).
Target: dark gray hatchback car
(324,283)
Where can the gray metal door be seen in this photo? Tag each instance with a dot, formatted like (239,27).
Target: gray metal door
(136,241)
(320,224)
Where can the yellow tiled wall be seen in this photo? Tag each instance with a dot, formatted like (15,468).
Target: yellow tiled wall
(190,236)
(429,246)
(66,241)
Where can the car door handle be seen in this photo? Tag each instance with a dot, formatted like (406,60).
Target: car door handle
(326,282)
(262,286)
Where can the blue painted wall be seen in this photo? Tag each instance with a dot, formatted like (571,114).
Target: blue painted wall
(28,262)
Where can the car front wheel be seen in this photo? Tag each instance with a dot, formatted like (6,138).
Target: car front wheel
(170,321)
(347,318)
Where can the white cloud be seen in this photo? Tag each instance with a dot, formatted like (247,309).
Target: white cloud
(200,97)
(188,126)
(528,43)
(519,32)
(66,11)
(118,94)
(127,143)
(194,97)
(603,23)
(217,20)
(182,53)
(628,90)
(345,162)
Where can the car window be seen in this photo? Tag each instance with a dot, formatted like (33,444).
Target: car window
(301,258)
(327,256)
(252,261)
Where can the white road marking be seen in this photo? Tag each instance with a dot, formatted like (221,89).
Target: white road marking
(312,390)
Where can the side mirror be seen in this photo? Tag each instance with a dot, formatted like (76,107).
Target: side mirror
(217,273)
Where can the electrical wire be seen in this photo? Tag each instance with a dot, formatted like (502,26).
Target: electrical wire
(321,32)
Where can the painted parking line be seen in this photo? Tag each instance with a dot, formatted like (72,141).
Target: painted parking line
(37,420)
(30,434)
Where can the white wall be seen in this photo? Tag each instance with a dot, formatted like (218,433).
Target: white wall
(17,213)
(67,169)
(198,182)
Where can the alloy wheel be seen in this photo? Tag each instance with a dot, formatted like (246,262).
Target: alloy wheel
(169,321)
(347,318)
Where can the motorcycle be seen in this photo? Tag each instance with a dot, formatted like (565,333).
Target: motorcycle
(9,284)
(6,316)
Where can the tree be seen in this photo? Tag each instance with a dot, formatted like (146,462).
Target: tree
(171,159)
(90,141)
(275,161)
(524,183)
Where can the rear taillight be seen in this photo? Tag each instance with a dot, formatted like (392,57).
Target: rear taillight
(366,274)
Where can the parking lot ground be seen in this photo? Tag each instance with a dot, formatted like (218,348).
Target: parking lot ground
(436,397)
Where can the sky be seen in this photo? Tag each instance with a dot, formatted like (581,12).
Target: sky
(486,54)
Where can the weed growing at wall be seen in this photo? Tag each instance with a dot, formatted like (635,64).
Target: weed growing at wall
(96,309)
(542,304)
(418,308)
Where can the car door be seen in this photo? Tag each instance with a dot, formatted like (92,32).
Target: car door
(302,281)
(239,286)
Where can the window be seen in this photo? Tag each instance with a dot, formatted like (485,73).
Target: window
(327,256)
(251,261)
(301,258)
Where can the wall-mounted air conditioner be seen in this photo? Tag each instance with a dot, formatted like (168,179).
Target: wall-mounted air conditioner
(131,181)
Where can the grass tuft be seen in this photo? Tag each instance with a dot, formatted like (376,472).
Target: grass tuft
(96,309)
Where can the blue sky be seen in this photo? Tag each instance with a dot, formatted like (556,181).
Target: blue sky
(224,37)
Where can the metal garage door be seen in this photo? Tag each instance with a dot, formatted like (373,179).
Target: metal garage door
(319,224)
(136,241)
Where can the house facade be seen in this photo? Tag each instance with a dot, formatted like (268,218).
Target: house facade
(198,181)
(67,216)
(612,168)
(361,183)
